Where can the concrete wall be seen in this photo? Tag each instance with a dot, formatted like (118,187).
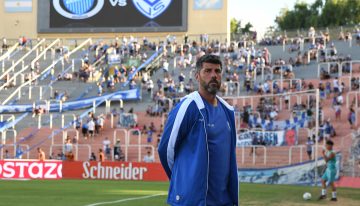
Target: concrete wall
(213,22)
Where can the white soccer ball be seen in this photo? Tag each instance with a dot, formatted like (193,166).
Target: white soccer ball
(307,196)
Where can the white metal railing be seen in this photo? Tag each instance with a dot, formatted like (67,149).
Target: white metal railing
(21,60)
(254,147)
(40,118)
(8,118)
(116,137)
(298,95)
(326,52)
(4,135)
(126,150)
(232,88)
(76,153)
(301,153)
(15,150)
(63,116)
(43,53)
(8,52)
(350,64)
(50,101)
(139,153)
(41,91)
(53,134)
(289,81)
(73,63)
(348,100)
(45,70)
(138,135)
(328,64)
(301,147)
(108,104)
(67,131)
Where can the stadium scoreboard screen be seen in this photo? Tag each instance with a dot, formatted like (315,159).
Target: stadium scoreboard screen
(80,16)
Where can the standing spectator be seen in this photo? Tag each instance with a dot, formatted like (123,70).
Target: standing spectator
(336,85)
(91,127)
(84,130)
(6,155)
(101,156)
(19,152)
(150,86)
(41,154)
(52,73)
(118,154)
(78,122)
(68,147)
(100,89)
(107,148)
(4,43)
(327,130)
(337,108)
(351,118)
(148,157)
(287,99)
(254,143)
(309,145)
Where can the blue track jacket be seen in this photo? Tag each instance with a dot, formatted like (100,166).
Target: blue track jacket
(183,152)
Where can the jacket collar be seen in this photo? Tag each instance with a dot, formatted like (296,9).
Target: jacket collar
(200,104)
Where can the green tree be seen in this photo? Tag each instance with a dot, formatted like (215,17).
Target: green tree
(235,26)
(319,14)
(247,28)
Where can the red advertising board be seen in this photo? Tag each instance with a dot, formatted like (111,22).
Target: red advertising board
(114,171)
(31,169)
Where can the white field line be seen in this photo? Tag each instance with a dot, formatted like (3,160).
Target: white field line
(127,200)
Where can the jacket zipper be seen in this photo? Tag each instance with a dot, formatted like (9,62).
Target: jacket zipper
(207,149)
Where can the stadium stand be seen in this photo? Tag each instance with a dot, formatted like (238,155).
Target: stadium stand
(266,83)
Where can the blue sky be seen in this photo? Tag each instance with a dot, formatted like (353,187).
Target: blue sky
(260,13)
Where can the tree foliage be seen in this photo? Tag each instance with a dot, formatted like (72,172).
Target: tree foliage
(235,27)
(322,13)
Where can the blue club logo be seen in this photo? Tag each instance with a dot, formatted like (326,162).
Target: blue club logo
(152,8)
(78,9)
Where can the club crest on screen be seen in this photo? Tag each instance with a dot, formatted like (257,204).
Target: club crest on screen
(152,8)
(78,9)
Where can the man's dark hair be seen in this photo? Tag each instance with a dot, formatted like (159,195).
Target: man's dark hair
(208,58)
(329,142)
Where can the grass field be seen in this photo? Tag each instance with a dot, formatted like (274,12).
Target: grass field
(126,193)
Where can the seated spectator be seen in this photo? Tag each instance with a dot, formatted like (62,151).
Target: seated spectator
(70,156)
(148,158)
(92,157)
(118,154)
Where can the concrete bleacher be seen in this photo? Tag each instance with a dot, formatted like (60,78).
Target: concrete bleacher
(275,156)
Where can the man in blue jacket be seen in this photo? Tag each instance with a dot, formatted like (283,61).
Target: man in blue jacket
(197,149)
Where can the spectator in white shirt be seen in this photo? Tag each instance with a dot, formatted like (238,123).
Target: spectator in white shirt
(336,85)
(107,148)
(148,157)
(91,127)
(340,99)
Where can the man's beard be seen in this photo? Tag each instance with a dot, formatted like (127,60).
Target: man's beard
(212,87)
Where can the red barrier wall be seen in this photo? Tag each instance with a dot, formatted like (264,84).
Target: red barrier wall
(30,169)
(114,171)
(33,169)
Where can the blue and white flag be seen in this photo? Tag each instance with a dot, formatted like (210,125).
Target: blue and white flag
(13,6)
(208,4)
